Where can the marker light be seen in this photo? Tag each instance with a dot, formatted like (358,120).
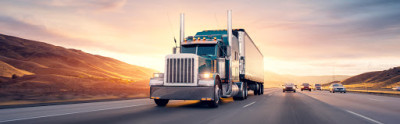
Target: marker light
(215,39)
(204,38)
(206,76)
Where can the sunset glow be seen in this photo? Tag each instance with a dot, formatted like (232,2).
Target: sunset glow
(314,38)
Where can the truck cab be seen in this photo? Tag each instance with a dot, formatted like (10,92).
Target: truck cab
(205,67)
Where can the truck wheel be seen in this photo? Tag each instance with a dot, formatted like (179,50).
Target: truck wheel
(246,91)
(256,89)
(161,102)
(262,88)
(217,95)
(241,95)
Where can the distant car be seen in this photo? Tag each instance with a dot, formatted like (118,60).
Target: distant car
(337,87)
(317,87)
(305,86)
(396,88)
(289,87)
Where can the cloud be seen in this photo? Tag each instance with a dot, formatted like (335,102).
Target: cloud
(15,27)
(97,5)
(301,36)
(335,30)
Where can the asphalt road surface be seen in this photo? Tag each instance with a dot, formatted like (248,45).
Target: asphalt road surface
(274,107)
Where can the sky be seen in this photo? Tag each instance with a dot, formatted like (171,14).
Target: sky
(302,38)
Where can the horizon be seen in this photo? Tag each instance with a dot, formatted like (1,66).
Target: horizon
(304,39)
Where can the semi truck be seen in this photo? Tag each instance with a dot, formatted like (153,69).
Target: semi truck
(210,65)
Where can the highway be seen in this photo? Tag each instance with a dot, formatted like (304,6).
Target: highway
(275,107)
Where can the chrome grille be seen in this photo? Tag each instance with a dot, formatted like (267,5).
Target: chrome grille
(180,70)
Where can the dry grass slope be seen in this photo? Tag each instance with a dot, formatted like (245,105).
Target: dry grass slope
(8,70)
(49,72)
(378,79)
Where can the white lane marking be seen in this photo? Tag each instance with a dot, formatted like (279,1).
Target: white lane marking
(364,117)
(249,104)
(375,99)
(44,116)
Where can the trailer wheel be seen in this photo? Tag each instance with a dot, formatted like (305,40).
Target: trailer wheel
(262,88)
(256,89)
(217,95)
(246,91)
(161,102)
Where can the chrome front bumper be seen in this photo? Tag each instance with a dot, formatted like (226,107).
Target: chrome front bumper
(181,92)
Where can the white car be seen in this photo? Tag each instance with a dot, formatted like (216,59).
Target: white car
(289,87)
(396,88)
(337,87)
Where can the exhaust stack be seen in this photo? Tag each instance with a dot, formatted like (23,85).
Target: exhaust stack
(230,27)
(182,31)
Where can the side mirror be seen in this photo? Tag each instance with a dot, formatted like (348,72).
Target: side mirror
(175,50)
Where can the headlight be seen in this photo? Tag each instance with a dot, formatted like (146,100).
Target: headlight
(206,76)
(158,79)
(156,82)
(158,75)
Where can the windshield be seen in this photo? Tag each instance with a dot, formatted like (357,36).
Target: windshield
(317,84)
(206,50)
(201,49)
(337,85)
(288,84)
(189,49)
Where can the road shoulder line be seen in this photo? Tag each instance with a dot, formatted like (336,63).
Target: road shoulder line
(44,116)
(359,115)
(249,104)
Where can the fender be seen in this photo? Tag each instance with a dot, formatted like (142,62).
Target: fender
(209,82)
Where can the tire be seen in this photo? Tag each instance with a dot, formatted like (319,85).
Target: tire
(256,90)
(161,102)
(283,90)
(262,89)
(217,95)
(310,90)
(246,91)
(294,91)
(240,96)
